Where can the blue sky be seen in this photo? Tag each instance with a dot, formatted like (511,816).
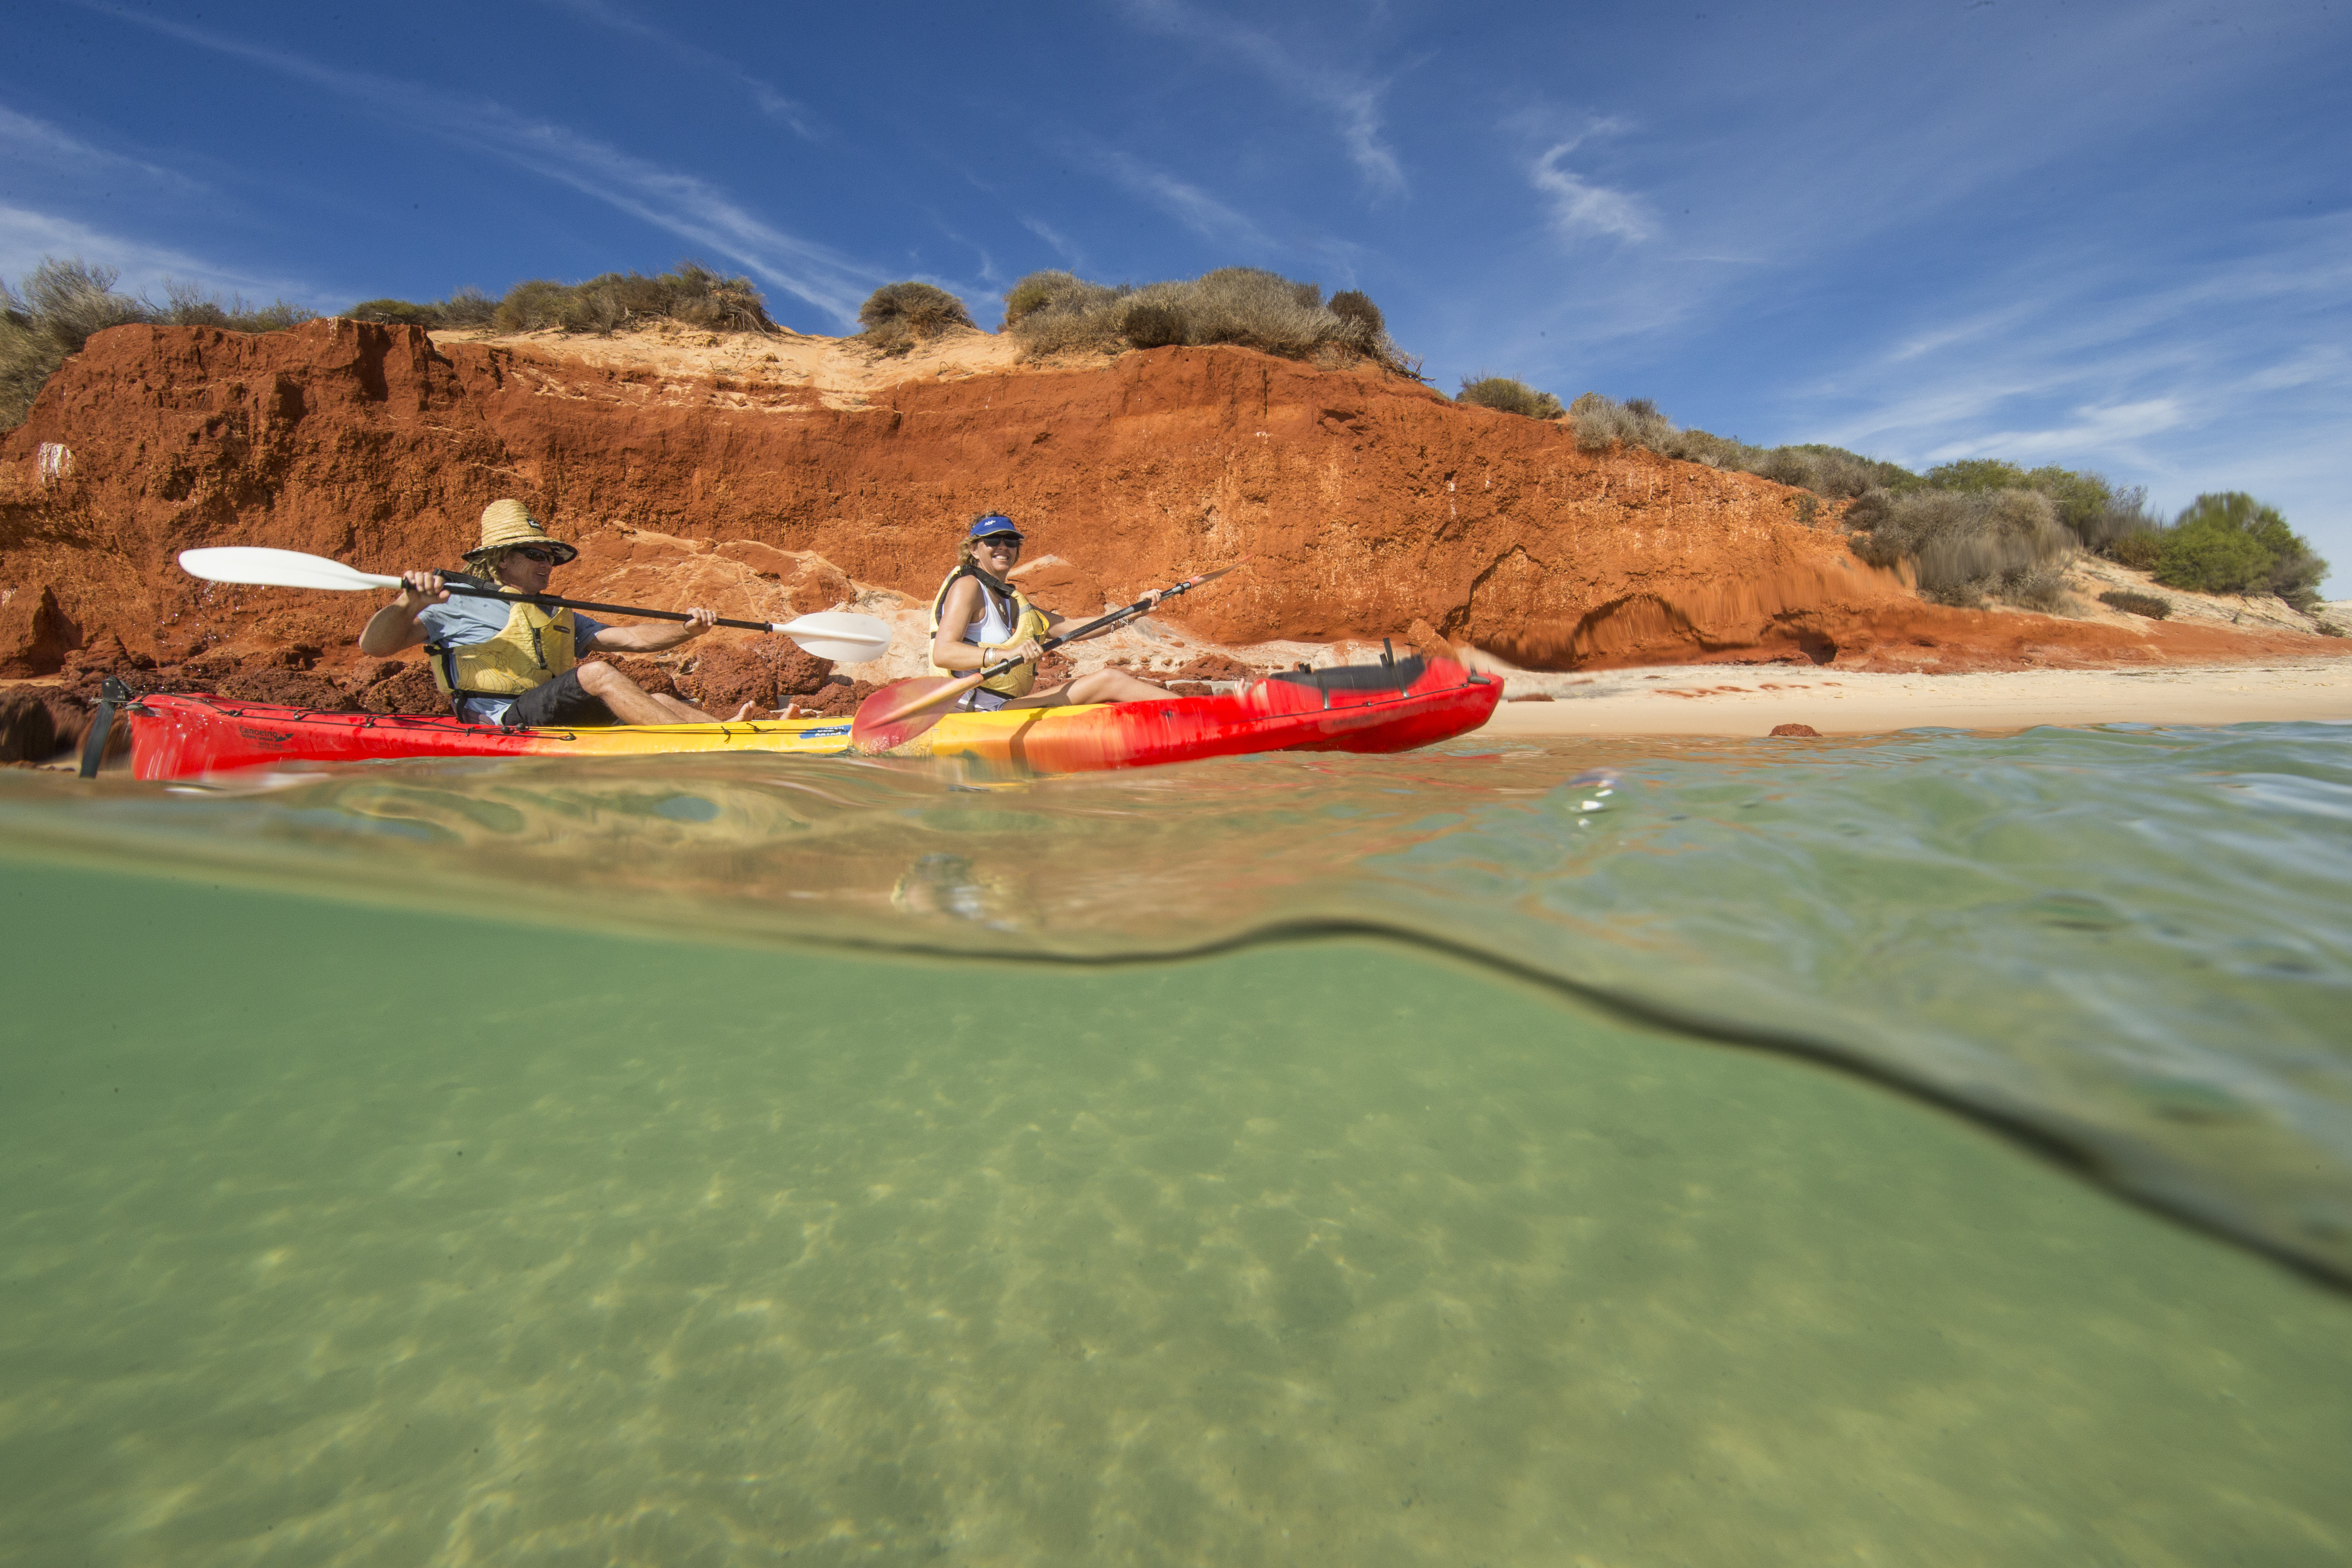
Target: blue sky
(2116,237)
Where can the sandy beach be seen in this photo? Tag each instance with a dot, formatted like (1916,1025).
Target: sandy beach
(1719,699)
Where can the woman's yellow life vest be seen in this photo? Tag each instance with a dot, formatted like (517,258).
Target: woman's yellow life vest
(996,627)
(532,649)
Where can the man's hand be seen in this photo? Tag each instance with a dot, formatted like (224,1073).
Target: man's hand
(698,621)
(423,588)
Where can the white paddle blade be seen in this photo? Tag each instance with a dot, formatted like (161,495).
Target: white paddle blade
(275,569)
(841,636)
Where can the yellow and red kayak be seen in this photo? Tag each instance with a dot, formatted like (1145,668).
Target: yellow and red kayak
(1360,708)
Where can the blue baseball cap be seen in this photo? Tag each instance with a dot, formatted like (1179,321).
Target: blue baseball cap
(994,525)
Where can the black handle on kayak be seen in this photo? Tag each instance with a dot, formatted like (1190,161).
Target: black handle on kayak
(113,695)
(561,603)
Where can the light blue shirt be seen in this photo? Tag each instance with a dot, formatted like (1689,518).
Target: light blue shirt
(465,620)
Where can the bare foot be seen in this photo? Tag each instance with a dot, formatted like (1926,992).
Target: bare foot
(743,713)
(791,710)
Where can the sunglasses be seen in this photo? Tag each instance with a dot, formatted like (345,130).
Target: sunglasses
(533,553)
(1006,540)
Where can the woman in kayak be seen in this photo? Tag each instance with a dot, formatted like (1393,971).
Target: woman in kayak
(980,618)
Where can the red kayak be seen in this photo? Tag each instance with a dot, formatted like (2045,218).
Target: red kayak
(1384,707)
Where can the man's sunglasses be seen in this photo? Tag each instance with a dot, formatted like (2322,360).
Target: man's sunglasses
(533,553)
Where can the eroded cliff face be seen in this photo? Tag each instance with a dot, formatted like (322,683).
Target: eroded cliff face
(1366,503)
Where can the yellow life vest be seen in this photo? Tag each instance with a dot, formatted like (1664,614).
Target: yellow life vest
(532,649)
(1028,621)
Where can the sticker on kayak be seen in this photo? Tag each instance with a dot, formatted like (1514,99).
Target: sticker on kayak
(829,729)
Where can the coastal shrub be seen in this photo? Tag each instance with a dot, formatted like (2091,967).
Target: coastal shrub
(1968,546)
(1355,307)
(61,304)
(466,307)
(2139,550)
(1508,394)
(2228,542)
(2154,607)
(1830,472)
(1055,312)
(690,293)
(898,316)
(1153,324)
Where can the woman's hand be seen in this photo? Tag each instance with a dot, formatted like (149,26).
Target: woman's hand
(1025,650)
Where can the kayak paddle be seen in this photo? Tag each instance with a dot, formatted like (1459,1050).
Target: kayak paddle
(905,708)
(835,634)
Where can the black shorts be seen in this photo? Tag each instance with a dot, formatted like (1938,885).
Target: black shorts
(557,703)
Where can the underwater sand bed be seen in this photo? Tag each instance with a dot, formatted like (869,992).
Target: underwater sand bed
(358,1237)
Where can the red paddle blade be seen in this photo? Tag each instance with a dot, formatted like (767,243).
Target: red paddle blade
(898,713)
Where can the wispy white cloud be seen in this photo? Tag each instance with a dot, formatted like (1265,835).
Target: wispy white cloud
(24,139)
(1061,245)
(2182,376)
(2088,429)
(770,101)
(1188,204)
(680,204)
(28,237)
(1354,103)
(1580,207)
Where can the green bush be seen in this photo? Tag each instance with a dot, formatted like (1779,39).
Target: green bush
(2138,604)
(2228,542)
(1055,312)
(898,316)
(63,303)
(1508,394)
(1968,546)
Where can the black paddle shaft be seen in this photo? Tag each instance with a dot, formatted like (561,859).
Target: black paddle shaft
(1114,618)
(563,604)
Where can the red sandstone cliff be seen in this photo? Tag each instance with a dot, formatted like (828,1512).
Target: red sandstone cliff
(1366,502)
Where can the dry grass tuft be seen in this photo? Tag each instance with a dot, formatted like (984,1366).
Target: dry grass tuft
(1508,394)
(2153,607)
(898,316)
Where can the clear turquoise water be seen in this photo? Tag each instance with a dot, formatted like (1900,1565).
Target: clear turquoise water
(1396,1161)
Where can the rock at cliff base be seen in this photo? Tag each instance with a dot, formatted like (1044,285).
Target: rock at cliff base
(410,688)
(764,670)
(37,724)
(654,679)
(838,699)
(34,633)
(104,655)
(1801,731)
(1213,667)
(292,688)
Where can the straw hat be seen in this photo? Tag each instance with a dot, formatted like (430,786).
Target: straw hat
(506,523)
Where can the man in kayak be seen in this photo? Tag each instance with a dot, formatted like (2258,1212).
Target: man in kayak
(520,664)
(980,618)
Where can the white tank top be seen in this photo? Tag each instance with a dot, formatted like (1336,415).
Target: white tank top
(995,622)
